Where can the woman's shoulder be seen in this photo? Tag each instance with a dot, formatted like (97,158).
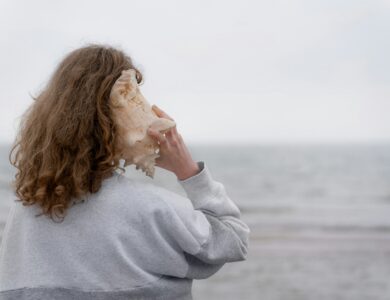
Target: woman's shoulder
(151,195)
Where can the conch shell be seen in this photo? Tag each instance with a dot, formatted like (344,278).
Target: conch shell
(133,116)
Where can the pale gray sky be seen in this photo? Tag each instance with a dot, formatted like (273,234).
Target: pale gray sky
(235,71)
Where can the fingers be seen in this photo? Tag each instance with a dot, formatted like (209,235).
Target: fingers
(168,139)
(163,114)
(158,136)
(174,131)
(173,135)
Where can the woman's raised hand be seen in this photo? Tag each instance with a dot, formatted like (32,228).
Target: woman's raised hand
(174,154)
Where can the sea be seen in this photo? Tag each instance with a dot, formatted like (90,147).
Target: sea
(319,217)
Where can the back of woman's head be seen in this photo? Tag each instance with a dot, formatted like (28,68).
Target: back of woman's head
(65,145)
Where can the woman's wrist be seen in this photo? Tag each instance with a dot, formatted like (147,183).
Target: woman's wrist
(188,171)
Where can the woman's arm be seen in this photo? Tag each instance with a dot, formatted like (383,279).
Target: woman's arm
(205,227)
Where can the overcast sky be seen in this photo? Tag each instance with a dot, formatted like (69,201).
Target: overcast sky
(226,71)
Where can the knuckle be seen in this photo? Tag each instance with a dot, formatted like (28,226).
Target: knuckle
(175,142)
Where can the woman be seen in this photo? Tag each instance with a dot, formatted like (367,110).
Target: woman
(118,238)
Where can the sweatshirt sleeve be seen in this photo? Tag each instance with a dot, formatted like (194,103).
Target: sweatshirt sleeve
(206,226)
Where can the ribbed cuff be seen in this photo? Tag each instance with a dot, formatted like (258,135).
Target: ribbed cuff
(199,187)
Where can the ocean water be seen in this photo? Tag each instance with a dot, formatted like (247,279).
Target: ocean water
(319,218)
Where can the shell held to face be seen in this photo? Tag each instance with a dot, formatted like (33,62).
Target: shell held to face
(133,115)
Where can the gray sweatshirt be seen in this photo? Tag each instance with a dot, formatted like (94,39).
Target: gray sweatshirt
(130,240)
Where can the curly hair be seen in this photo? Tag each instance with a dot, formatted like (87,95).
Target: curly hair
(64,148)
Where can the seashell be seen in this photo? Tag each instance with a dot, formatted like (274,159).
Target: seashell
(133,115)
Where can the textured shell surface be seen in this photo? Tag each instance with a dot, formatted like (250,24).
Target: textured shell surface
(133,115)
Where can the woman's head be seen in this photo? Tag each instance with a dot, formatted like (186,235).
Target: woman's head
(65,145)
